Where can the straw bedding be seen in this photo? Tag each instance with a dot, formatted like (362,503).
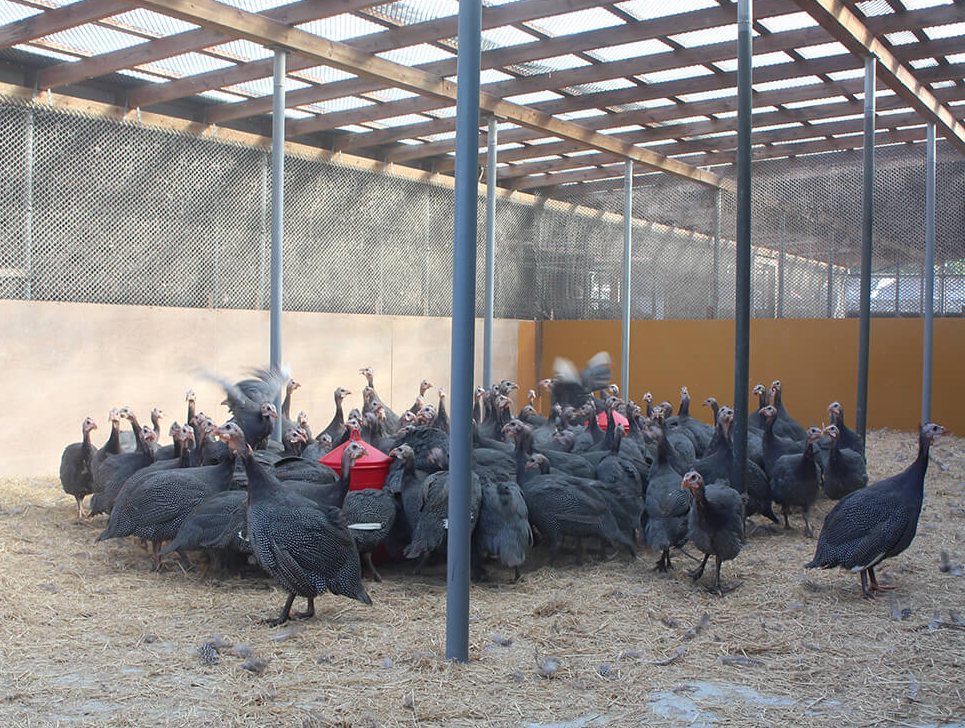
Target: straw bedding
(89,636)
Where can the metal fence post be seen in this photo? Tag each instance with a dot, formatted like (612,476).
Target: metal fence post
(627,256)
(831,272)
(491,175)
(742,323)
(781,260)
(277,215)
(867,230)
(463,327)
(929,274)
(717,202)
(28,204)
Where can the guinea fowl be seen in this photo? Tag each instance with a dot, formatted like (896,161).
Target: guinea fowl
(775,447)
(286,405)
(307,547)
(391,418)
(250,402)
(562,505)
(98,468)
(477,406)
(877,522)
(75,467)
(336,428)
(845,471)
(330,494)
(794,482)
(715,524)
(424,386)
(572,388)
(430,530)
(667,505)
(172,451)
(206,522)
(785,426)
(155,508)
(319,447)
(503,532)
(680,448)
(370,515)
(404,482)
(565,462)
(119,468)
(699,432)
(847,438)
(755,418)
(441,421)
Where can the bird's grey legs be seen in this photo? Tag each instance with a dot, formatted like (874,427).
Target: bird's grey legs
(310,612)
(285,613)
(699,571)
(808,531)
(367,560)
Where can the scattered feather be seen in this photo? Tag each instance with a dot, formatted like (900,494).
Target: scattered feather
(741,660)
(287,634)
(208,654)
(696,629)
(501,641)
(256,665)
(672,659)
(547,666)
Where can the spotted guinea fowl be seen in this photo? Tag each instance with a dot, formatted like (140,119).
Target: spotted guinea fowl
(878,522)
(307,547)
(785,426)
(666,505)
(391,418)
(156,507)
(112,447)
(847,438)
(118,468)
(76,477)
(774,446)
(715,524)
(370,515)
(206,522)
(795,482)
(503,532)
(250,402)
(845,471)
(700,433)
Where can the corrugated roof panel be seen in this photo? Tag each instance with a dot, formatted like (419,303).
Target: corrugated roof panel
(153,23)
(871,8)
(636,49)
(718,93)
(901,37)
(950,30)
(142,76)
(91,39)
(580,114)
(402,120)
(415,55)
(675,74)
(343,26)
(263,86)
(923,4)
(791,21)
(244,50)
(815,102)
(579,21)
(846,75)
(325,74)
(188,64)
(390,94)
(649,9)
(445,113)
(621,129)
(954,58)
(417,11)
(942,84)
(291,113)
(758,61)
(221,96)
(48,52)
(355,129)
(505,36)
(547,65)
(440,137)
(644,104)
(255,6)
(924,62)
(345,103)
(534,97)
(782,83)
(843,117)
(487,75)
(823,50)
(12,12)
(706,36)
(610,84)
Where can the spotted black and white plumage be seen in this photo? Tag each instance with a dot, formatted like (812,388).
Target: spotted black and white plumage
(503,532)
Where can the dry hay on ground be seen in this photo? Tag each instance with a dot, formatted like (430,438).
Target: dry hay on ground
(90,636)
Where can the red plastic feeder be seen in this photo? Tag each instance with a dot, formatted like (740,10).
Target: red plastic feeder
(617,419)
(369,471)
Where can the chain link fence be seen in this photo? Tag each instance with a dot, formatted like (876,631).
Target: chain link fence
(95,210)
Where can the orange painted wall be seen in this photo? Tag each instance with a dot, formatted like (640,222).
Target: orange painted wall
(815,359)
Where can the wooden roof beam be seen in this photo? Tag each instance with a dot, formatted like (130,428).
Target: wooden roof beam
(64,74)
(855,35)
(260,29)
(54,20)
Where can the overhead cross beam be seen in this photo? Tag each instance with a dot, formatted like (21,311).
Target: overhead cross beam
(845,27)
(55,20)
(259,29)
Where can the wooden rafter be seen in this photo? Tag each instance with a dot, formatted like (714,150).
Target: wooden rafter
(855,35)
(260,29)
(196,39)
(55,20)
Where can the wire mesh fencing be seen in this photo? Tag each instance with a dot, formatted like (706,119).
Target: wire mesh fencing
(102,211)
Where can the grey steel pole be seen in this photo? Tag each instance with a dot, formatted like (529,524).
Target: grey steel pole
(463,311)
(28,203)
(491,175)
(277,215)
(717,201)
(867,229)
(781,260)
(742,310)
(627,256)
(926,370)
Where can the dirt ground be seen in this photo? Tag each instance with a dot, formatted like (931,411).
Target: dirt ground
(89,636)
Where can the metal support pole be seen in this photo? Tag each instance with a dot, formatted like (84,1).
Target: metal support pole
(28,204)
(831,273)
(463,312)
(627,255)
(781,260)
(742,310)
(277,215)
(867,229)
(717,201)
(491,174)
(941,288)
(929,274)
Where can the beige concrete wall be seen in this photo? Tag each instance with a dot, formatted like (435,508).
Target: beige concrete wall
(61,362)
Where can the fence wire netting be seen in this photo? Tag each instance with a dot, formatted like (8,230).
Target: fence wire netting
(101,211)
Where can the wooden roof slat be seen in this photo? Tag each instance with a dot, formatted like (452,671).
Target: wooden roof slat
(196,39)
(260,29)
(373,43)
(55,20)
(855,35)
(498,57)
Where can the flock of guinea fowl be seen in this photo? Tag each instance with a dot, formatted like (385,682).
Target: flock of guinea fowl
(599,468)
